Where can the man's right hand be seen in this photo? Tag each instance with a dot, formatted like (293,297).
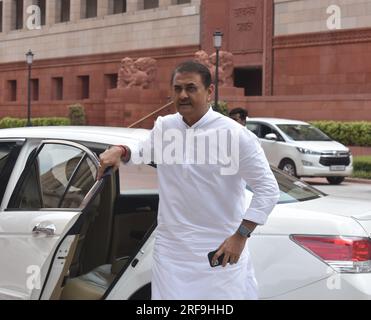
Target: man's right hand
(109,158)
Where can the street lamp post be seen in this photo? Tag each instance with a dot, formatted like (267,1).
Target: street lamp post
(29,60)
(217,45)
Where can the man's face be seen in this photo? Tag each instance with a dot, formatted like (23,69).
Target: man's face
(237,118)
(190,96)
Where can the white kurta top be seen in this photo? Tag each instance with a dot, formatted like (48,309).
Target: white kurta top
(199,208)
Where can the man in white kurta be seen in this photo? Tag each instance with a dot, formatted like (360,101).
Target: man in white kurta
(201,206)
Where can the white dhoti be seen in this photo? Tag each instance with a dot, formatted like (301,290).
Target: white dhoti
(188,276)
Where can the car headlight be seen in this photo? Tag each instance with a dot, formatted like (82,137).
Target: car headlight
(307,151)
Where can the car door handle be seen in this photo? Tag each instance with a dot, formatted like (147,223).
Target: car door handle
(48,229)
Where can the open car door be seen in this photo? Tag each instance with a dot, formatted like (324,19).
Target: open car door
(40,228)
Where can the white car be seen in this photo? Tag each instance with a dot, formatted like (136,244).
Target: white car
(302,150)
(64,235)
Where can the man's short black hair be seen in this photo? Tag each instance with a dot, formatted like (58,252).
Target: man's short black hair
(241,112)
(192,66)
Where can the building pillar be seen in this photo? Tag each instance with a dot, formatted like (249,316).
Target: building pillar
(165,3)
(268,36)
(50,12)
(103,6)
(75,10)
(134,5)
(7,15)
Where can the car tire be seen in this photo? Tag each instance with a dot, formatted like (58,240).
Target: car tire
(288,166)
(335,180)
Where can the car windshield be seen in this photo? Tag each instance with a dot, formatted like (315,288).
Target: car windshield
(303,132)
(294,190)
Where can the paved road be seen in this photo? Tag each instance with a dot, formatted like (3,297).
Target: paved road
(344,190)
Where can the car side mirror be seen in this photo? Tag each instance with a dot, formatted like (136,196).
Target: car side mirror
(271,136)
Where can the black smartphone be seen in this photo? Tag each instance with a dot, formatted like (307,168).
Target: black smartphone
(210,255)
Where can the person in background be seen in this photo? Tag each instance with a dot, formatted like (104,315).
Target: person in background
(239,115)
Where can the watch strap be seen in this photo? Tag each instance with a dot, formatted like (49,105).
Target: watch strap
(244,231)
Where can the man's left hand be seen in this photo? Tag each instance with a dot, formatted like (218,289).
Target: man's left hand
(232,248)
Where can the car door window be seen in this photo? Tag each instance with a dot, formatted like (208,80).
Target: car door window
(264,130)
(9,151)
(80,183)
(59,177)
(4,153)
(253,127)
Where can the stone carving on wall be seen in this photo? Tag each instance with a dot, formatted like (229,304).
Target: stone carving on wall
(202,57)
(226,66)
(140,73)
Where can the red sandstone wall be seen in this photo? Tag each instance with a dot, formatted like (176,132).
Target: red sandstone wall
(306,108)
(325,63)
(96,66)
(242,23)
(335,107)
(316,76)
(360,151)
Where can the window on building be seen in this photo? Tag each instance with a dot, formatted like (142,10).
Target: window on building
(12,90)
(1,16)
(182,1)
(110,81)
(17,14)
(42,6)
(62,9)
(150,4)
(251,79)
(89,9)
(83,83)
(35,89)
(57,88)
(117,6)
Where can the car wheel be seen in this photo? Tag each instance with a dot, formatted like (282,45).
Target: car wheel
(335,180)
(288,166)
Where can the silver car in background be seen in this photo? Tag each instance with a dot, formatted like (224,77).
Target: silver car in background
(302,150)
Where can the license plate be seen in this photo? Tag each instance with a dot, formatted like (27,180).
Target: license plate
(337,168)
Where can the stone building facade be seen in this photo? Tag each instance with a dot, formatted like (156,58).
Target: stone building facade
(305,59)
(321,68)
(79,47)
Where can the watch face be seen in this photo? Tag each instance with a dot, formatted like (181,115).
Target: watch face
(244,231)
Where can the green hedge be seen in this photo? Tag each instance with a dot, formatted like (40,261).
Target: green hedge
(362,167)
(362,163)
(362,174)
(76,113)
(16,122)
(348,133)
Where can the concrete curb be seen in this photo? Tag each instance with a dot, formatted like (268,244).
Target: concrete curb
(358,180)
(319,180)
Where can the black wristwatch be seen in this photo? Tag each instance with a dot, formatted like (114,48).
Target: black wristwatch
(244,231)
